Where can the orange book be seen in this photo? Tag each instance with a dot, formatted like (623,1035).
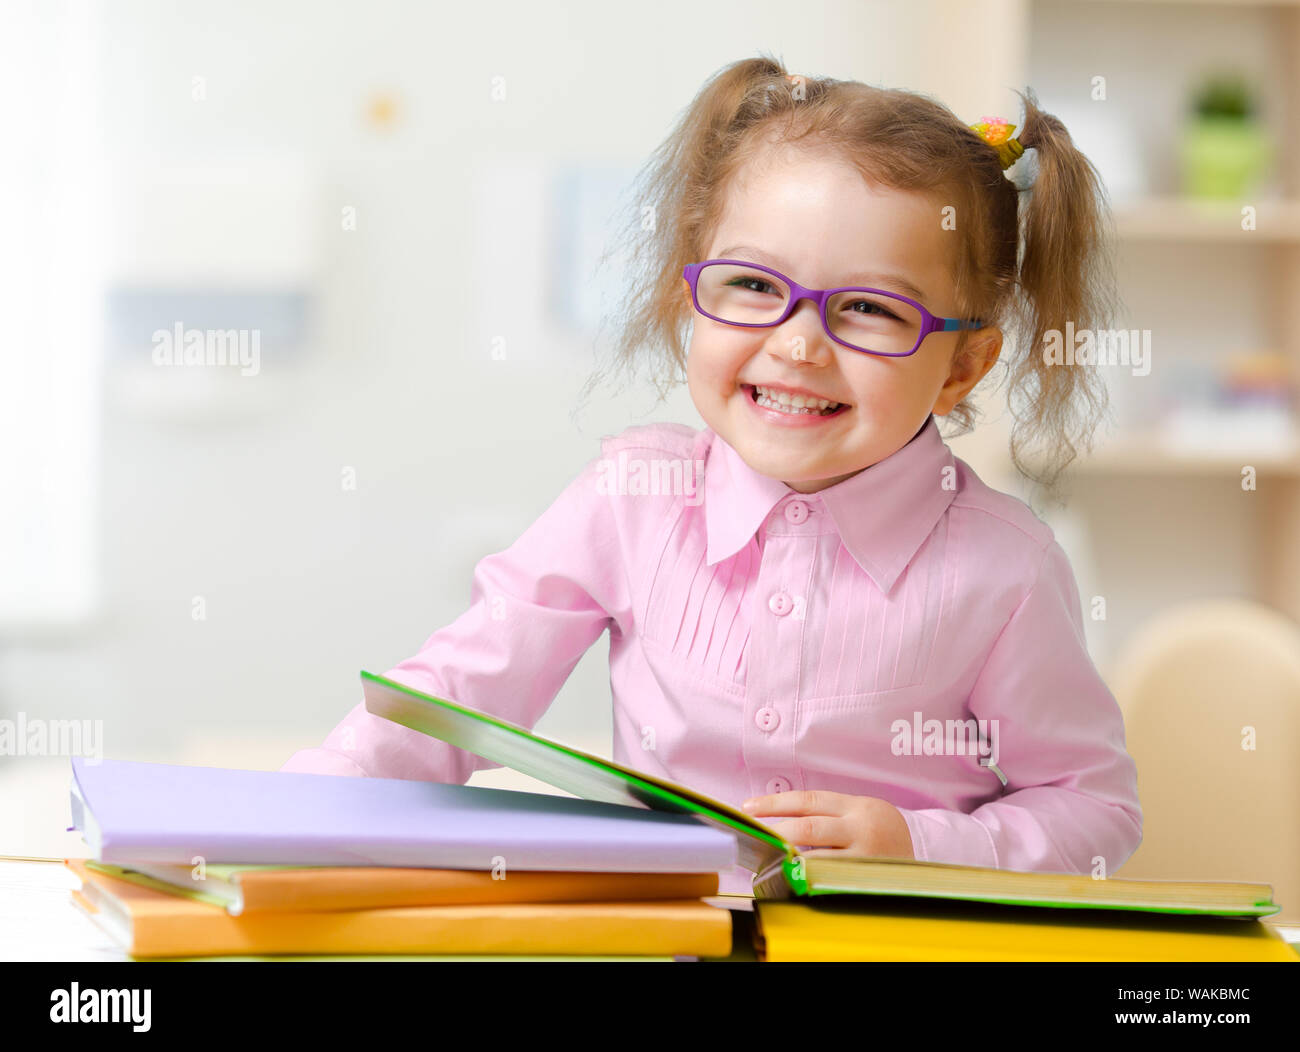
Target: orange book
(256,889)
(150,923)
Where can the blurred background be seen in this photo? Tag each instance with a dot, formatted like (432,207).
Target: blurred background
(200,559)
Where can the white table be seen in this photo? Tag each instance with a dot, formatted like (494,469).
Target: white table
(38,921)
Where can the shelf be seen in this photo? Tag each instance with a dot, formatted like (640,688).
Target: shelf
(1202,3)
(1135,457)
(1193,219)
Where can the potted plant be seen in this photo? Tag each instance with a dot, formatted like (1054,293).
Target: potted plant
(1225,148)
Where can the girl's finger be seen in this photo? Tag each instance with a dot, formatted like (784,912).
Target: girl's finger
(797,802)
(813,831)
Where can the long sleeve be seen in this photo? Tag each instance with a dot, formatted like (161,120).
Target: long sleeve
(535,609)
(1071,792)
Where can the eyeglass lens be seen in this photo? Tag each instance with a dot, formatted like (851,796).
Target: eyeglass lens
(867,321)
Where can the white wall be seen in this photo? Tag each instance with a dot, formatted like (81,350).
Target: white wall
(305,583)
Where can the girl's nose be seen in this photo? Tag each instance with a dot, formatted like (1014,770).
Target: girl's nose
(801,337)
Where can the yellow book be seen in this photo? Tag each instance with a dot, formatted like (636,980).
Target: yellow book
(847,929)
(150,924)
(818,873)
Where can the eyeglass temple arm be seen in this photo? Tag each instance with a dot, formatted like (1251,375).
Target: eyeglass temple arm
(953,324)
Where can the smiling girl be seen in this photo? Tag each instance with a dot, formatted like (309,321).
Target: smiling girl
(850,633)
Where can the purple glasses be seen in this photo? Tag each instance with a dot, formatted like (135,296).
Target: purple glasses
(873,321)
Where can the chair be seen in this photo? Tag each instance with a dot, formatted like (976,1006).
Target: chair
(1191,685)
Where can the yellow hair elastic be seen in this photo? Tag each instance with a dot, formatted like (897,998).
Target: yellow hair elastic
(997,133)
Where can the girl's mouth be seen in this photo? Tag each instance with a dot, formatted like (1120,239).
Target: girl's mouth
(780,402)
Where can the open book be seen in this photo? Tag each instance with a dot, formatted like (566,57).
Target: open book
(781,871)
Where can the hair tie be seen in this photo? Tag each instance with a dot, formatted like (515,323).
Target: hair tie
(997,133)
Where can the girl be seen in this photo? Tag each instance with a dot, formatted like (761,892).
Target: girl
(815,610)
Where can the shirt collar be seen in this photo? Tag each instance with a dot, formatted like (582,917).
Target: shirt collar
(883,514)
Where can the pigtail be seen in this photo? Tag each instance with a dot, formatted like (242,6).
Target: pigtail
(1065,275)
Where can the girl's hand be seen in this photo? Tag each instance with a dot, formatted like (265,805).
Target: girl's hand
(851,825)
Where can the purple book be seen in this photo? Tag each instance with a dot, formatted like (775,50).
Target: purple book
(153,812)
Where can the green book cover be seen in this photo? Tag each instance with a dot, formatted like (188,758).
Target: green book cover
(219,886)
(189,891)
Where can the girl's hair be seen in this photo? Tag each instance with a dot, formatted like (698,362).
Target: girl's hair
(1028,258)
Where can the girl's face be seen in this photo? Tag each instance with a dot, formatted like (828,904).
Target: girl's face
(814,218)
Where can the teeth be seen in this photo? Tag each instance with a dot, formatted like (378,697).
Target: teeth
(793,403)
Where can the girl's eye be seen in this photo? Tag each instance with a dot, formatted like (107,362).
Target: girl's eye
(873,309)
(748,284)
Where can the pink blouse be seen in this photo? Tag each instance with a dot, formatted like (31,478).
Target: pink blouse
(908,633)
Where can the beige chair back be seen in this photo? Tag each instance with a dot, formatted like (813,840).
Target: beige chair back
(1210,693)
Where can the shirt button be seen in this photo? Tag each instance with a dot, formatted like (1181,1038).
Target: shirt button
(780,604)
(766,719)
(778,785)
(796,512)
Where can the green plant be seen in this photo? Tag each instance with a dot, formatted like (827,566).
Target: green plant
(1225,95)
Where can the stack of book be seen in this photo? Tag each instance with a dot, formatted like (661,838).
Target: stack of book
(811,906)
(202,862)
